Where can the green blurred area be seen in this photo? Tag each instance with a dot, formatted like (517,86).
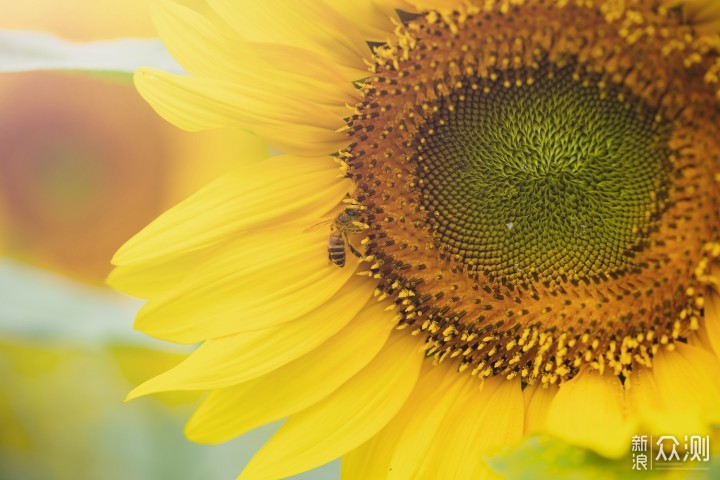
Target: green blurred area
(544,458)
(68,357)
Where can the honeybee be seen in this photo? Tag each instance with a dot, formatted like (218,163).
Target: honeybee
(346,222)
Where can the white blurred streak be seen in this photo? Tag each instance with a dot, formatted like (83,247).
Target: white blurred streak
(28,50)
(38,304)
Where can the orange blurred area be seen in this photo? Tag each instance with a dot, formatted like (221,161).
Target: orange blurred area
(86,164)
(109,18)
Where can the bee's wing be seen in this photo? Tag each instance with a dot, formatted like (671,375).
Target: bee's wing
(316,227)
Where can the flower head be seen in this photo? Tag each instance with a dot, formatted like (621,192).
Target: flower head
(531,188)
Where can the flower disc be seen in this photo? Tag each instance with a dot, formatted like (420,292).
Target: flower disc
(531,179)
(539,195)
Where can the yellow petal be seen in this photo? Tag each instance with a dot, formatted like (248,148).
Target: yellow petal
(235,410)
(262,280)
(537,402)
(432,399)
(452,421)
(372,459)
(273,191)
(374,19)
(348,417)
(194,104)
(282,70)
(420,5)
(229,103)
(680,395)
(238,358)
(484,419)
(138,363)
(222,215)
(309,24)
(712,319)
(689,378)
(589,411)
(703,14)
(146,280)
(647,404)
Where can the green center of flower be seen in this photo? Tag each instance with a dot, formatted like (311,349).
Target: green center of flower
(538,196)
(544,179)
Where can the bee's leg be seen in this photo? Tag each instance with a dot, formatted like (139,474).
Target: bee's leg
(354,250)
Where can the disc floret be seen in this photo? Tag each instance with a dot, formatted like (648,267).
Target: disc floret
(538,194)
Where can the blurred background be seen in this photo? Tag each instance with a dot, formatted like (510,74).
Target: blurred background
(84,164)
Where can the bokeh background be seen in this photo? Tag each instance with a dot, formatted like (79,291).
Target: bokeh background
(84,164)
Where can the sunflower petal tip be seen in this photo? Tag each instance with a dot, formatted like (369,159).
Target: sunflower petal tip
(147,388)
(191,432)
(251,473)
(133,394)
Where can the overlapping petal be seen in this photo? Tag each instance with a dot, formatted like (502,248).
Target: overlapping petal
(260,281)
(310,24)
(375,19)
(194,103)
(712,319)
(538,399)
(295,386)
(487,417)
(702,14)
(681,394)
(256,196)
(345,419)
(385,456)
(422,5)
(443,431)
(232,359)
(590,411)
(205,50)
(430,404)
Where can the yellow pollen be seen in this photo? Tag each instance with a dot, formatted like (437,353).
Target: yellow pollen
(622,266)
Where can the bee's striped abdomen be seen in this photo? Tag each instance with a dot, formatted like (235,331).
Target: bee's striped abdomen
(336,249)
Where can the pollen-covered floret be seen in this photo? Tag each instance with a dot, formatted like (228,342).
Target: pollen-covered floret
(538,198)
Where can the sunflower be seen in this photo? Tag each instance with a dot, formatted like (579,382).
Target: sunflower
(530,189)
